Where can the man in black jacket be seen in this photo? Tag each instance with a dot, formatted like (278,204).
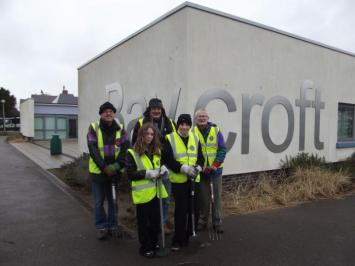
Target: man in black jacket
(155,113)
(107,143)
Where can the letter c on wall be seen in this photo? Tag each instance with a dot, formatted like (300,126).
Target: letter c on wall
(227,98)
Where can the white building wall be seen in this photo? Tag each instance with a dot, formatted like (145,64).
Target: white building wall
(244,59)
(205,54)
(148,65)
(27,118)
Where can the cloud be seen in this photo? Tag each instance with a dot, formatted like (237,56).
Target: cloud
(43,42)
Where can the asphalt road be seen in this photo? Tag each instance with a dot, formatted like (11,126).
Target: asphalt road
(42,225)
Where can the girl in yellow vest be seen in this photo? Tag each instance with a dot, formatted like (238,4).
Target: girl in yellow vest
(143,169)
(183,156)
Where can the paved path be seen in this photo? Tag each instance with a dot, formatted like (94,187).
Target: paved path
(41,156)
(69,146)
(41,225)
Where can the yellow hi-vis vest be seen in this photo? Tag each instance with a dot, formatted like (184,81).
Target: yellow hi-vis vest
(145,190)
(170,120)
(93,168)
(209,148)
(183,155)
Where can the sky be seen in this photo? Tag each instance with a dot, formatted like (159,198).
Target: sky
(42,42)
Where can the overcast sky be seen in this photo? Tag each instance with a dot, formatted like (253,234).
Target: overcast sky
(42,42)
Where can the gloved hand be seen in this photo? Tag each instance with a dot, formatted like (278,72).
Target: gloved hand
(110,170)
(198,168)
(189,170)
(117,166)
(209,169)
(164,171)
(152,174)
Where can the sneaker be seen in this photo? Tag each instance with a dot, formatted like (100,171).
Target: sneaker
(148,254)
(115,232)
(175,247)
(101,234)
(201,227)
(218,228)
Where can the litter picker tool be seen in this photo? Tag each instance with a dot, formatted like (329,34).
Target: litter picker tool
(163,250)
(213,233)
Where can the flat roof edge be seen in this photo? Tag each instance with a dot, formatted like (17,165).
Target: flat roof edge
(222,14)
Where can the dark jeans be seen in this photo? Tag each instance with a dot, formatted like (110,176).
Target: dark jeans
(182,214)
(148,221)
(100,192)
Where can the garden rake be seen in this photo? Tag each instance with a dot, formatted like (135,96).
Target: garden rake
(163,250)
(213,233)
(115,232)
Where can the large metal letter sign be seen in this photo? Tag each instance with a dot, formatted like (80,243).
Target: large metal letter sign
(247,104)
(139,100)
(227,98)
(265,130)
(114,94)
(303,104)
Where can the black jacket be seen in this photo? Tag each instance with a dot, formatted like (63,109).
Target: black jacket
(169,160)
(163,125)
(109,140)
(132,172)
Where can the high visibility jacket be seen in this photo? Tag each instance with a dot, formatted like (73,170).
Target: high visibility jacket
(93,168)
(183,155)
(144,190)
(170,120)
(209,147)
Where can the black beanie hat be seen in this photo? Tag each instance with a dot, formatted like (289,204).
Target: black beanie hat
(155,102)
(184,118)
(105,106)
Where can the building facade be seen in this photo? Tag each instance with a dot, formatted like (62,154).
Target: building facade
(272,93)
(43,116)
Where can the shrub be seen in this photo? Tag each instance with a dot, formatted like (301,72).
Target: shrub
(76,172)
(302,160)
(304,184)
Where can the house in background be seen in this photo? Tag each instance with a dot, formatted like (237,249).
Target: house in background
(45,115)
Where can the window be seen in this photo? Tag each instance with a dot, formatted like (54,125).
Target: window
(346,125)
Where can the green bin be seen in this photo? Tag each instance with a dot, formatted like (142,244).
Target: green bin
(56,145)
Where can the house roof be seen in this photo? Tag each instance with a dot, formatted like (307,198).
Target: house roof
(218,13)
(63,98)
(42,98)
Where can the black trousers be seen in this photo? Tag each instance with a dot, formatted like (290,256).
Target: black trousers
(182,214)
(148,221)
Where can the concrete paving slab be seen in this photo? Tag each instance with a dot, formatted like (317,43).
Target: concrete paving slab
(41,156)
(70,147)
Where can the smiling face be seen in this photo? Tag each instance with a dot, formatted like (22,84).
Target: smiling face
(107,116)
(148,136)
(201,118)
(184,129)
(155,112)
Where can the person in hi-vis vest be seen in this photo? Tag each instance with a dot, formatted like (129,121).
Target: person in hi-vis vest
(144,167)
(183,156)
(214,152)
(107,143)
(155,113)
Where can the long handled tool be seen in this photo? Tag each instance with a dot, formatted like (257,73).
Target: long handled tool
(193,206)
(115,230)
(214,234)
(163,250)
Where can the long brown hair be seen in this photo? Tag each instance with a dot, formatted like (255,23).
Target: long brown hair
(140,146)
